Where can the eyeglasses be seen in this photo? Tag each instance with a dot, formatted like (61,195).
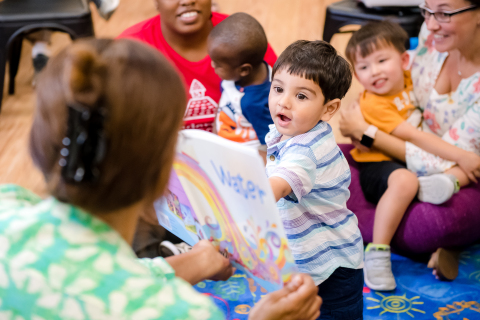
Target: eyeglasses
(443,16)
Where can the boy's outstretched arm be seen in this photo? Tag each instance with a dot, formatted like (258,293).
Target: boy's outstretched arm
(280,187)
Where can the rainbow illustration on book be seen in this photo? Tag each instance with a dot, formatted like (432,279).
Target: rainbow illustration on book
(218,191)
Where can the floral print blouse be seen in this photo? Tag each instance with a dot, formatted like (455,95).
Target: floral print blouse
(454,116)
(59,262)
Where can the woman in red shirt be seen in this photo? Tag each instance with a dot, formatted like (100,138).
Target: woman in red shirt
(180,32)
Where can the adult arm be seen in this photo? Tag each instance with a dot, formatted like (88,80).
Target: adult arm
(352,124)
(386,117)
(467,161)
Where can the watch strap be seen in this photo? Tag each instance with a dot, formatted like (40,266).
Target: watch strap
(371,131)
(369,136)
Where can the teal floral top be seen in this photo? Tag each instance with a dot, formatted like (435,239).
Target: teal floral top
(59,262)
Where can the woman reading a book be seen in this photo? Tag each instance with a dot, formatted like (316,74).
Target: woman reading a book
(103,136)
(180,32)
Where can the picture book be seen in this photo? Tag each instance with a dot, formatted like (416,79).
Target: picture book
(218,190)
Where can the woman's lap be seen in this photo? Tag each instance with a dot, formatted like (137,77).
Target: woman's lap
(425,227)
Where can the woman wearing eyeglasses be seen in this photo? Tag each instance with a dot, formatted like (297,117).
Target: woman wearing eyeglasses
(446,78)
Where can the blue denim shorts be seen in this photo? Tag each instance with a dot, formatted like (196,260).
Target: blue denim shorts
(342,295)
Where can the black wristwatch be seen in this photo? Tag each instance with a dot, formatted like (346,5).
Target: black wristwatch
(369,136)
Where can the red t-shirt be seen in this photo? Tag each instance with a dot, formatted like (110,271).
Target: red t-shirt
(201,80)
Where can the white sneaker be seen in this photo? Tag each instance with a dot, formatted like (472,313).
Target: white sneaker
(437,188)
(378,268)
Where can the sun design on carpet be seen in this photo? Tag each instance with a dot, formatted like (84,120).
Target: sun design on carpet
(396,304)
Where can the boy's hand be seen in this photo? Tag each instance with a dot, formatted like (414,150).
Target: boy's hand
(469,162)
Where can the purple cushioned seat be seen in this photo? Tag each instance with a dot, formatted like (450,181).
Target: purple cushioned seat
(425,227)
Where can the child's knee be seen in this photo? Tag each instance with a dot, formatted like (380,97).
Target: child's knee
(403,180)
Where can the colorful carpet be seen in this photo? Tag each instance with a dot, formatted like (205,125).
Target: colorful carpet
(418,295)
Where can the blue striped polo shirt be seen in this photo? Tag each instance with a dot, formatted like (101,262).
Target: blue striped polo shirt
(322,233)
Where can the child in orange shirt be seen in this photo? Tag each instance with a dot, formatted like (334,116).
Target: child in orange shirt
(377,53)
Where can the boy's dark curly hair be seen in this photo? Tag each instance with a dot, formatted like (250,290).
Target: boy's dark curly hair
(317,61)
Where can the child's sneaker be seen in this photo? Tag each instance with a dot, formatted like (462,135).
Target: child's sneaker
(437,188)
(168,249)
(378,268)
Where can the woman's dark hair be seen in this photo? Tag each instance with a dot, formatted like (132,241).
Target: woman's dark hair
(144,101)
(375,35)
(317,61)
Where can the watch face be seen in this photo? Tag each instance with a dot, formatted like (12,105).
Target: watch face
(366,141)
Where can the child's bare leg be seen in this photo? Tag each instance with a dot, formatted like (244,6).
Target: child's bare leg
(402,188)
(460,175)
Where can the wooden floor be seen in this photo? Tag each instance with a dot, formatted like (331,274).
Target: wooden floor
(284,21)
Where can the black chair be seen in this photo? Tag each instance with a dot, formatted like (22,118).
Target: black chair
(21,17)
(346,12)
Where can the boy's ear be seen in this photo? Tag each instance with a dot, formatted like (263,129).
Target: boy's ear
(405,60)
(332,107)
(245,69)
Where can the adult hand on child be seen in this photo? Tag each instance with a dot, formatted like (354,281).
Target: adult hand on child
(352,123)
(469,162)
(297,300)
(356,143)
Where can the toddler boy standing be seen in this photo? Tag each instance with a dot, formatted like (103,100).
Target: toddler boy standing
(310,176)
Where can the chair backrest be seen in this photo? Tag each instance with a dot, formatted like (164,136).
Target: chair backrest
(391,3)
(11,10)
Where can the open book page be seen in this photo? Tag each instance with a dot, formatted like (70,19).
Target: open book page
(175,213)
(230,203)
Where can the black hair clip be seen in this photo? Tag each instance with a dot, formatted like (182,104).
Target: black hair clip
(84,144)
